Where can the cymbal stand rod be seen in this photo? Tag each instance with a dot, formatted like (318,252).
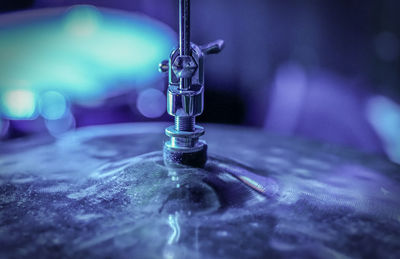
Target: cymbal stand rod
(184,123)
(185,95)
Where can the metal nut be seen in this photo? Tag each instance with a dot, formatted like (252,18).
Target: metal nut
(184,66)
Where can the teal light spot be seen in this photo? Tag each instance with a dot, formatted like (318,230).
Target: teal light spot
(52,105)
(84,52)
(18,104)
(384,116)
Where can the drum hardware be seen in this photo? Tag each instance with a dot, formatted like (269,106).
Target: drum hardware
(185,97)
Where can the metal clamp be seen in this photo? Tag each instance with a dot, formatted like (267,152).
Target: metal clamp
(185,96)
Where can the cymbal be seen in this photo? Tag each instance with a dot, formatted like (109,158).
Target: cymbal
(104,191)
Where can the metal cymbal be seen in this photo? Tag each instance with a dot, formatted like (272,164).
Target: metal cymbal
(104,191)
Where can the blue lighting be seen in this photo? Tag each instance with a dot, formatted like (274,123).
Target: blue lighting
(52,105)
(287,98)
(384,116)
(84,52)
(18,104)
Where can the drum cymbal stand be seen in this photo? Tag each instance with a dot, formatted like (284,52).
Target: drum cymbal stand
(185,96)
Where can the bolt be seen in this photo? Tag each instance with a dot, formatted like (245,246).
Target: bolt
(186,123)
(163,66)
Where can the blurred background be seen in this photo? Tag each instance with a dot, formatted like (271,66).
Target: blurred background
(323,70)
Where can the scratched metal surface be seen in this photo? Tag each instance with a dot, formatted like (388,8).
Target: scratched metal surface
(104,192)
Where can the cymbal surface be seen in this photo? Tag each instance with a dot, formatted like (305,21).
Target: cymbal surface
(104,191)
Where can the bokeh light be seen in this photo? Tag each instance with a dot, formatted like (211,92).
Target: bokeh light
(52,105)
(61,125)
(85,53)
(18,104)
(151,103)
(384,116)
(287,97)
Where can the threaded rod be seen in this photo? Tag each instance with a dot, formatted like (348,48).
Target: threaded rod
(185,123)
(184,37)
(184,27)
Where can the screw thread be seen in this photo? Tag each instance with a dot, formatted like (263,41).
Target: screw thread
(185,123)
